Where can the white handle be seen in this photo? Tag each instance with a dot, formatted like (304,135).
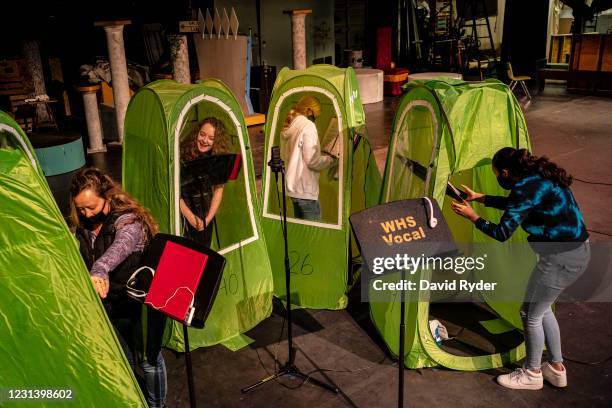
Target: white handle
(433,221)
(137,292)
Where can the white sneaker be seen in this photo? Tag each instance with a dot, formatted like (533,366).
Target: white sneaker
(522,379)
(554,376)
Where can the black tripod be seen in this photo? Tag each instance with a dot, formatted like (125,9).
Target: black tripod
(289,368)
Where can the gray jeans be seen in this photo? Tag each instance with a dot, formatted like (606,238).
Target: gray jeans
(551,275)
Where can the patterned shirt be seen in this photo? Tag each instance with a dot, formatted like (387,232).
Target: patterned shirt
(547,212)
(129,237)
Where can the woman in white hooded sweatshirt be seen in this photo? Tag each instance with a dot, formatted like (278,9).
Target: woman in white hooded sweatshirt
(303,158)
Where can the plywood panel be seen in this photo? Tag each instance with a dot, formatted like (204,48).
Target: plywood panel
(224,59)
(561,47)
(606,63)
(555,52)
(589,53)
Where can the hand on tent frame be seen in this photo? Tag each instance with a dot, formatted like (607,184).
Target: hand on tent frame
(464,210)
(101,286)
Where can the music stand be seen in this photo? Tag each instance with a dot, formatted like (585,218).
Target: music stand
(218,168)
(213,169)
(289,368)
(184,285)
(437,241)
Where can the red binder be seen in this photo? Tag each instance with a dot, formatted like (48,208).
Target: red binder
(177,278)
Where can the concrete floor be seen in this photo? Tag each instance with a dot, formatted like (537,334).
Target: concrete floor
(575,131)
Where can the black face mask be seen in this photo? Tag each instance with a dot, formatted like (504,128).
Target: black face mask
(90,223)
(311,118)
(505,182)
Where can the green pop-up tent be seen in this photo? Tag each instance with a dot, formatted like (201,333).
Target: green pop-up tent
(320,250)
(54,333)
(450,130)
(158,117)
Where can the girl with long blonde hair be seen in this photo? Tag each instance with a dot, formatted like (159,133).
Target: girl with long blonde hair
(303,157)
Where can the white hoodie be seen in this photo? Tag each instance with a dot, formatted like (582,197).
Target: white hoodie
(303,158)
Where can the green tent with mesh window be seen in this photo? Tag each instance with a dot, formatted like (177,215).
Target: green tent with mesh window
(54,332)
(451,130)
(320,251)
(158,117)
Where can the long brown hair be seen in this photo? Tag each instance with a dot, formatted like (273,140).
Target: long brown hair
(91,178)
(189,145)
(521,163)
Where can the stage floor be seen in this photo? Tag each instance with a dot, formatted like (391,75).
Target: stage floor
(572,130)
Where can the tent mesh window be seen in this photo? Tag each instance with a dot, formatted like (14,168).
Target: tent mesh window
(232,224)
(330,139)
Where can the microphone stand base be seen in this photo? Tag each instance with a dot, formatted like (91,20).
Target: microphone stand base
(291,370)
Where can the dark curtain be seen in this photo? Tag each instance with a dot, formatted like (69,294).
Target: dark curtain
(406,39)
(524,38)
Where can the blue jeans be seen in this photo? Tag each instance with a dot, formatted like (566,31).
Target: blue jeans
(155,379)
(306,209)
(551,275)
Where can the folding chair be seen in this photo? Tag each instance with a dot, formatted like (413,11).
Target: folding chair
(518,80)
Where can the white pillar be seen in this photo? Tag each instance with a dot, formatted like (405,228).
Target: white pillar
(92,115)
(119,74)
(180,58)
(298,36)
(554,11)
(31,54)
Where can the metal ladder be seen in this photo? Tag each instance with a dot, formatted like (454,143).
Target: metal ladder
(472,6)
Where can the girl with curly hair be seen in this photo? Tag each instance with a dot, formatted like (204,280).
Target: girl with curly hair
(200,205)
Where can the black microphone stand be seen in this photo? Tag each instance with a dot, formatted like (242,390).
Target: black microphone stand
(402,339)
(289,368)
(192,396)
